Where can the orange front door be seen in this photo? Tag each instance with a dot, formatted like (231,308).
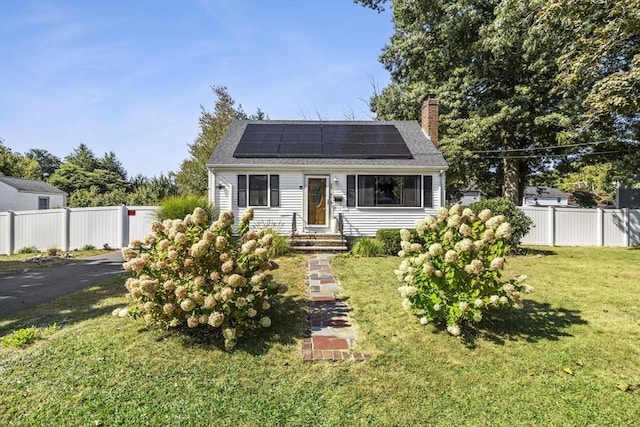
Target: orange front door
(317,201)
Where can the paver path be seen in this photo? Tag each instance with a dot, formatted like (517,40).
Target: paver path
(332,336)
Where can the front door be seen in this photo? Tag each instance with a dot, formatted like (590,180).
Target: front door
(316,201)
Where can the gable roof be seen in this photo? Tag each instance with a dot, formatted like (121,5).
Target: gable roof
(543,192)
(30,185)
(249,143)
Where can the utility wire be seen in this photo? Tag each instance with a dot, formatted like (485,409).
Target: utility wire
(535,156)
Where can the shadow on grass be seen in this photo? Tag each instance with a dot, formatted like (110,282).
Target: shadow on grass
(69,309)
(527,251)
(287,327)
(534,322)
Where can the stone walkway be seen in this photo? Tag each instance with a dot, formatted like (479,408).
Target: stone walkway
(332,336)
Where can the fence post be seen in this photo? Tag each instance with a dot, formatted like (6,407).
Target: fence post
(552,226)
(11,231)
(626,228)
(599,227)
(123,227)
(66,229)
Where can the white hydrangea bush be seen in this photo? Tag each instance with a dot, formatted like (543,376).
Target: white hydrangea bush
(454,276)
(189,273)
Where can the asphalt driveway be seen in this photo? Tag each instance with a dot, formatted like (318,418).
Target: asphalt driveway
(20,291)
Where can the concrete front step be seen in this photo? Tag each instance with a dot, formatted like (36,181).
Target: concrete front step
(325,249)
(319,243)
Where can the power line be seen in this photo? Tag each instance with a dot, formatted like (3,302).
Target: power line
(536,156)
(537,148)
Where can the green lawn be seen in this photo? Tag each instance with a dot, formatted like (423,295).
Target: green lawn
(560,361)
(16,262)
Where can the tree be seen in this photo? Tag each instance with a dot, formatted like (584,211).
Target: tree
(47,161)
(152,191)
(498,112)
(90,180)
(192,177)
(17,165)
(599,62)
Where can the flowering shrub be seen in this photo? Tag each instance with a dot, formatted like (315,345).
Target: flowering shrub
(455,275)
(189,273)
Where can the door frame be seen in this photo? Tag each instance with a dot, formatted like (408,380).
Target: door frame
(327,225)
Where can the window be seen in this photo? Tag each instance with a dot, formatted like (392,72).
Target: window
(351,191)
(389,190)
(258,189)
(43,203)
(428,191)
(275,190)
(242,191)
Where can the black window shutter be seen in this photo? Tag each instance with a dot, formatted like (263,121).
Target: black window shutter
(275,190)
(242,191)
(351,191)
(427,189)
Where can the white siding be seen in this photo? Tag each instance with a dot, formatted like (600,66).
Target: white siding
(28,201)
(357,221)
(277,217)
(8,198)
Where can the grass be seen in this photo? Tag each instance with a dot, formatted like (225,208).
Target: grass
(559,361)
(15,263)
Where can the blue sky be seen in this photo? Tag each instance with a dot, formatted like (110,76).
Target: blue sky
(129,76)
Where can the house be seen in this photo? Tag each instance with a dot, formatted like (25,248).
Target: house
(312,176)
(544,196)
(470,195)
(19,194)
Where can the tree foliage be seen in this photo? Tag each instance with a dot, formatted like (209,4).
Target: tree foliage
(47,161)
(192,177)
(17,165)
(525,86)
(90,180)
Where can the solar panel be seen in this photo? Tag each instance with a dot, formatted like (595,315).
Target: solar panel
(315,140)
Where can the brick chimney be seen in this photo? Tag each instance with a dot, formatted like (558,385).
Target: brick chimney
(429,118)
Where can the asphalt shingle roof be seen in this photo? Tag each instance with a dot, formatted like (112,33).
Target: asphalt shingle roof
(424,153)
(30,185)
(543,191)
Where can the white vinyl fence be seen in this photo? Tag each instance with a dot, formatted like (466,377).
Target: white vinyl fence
(73,228)
(554,226)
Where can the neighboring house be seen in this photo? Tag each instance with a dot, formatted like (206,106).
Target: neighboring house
(372,174)
(470,195)
(544,196)
(19,194)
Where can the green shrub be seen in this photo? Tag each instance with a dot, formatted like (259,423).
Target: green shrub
(88,247)
(453,276)
(390,238)
(178,207)
(28,250)
(189,273)
(280,245)
(20,338)
(520,223)
(367,247)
